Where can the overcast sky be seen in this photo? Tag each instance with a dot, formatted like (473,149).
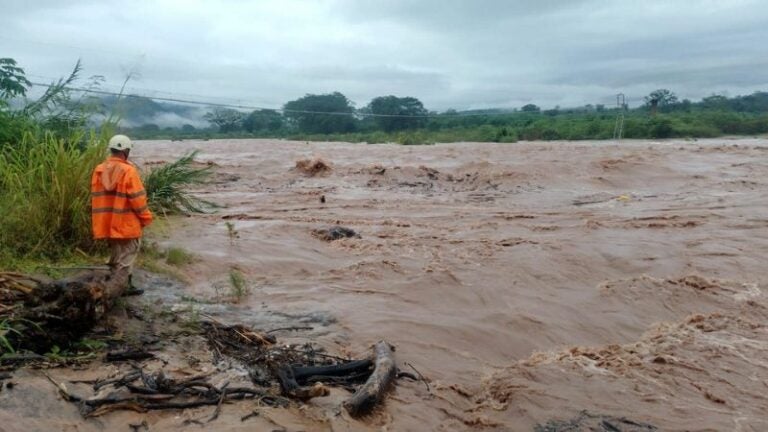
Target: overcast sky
(448,53)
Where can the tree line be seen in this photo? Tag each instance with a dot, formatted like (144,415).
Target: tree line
(325,114)
(405,119)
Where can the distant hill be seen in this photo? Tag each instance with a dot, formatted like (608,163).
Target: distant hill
(136,111)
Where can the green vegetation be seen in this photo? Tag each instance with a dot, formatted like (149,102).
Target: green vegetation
(231,232)
(167,186)
(238,284)
(303,114)
(178,257)
(86,344)
(47,155)
(6,328)
(226,119)
(83,350)
(44,194)
(662,116)
(164,261)
(263,122)
(385,106)
(46,160)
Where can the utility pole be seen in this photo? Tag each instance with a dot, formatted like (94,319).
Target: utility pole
(621,105)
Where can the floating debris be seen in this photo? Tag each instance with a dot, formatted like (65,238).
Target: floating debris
(335,233)
(313,167)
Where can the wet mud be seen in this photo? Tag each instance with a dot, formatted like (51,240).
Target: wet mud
(535,285)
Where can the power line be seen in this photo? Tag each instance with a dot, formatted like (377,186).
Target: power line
(62,45)
(139,89)
(253,107)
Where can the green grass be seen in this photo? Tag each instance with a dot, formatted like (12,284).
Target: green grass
(178,257)
(165,261)
(231,232)
(90,345)
(238,285)
(167,186)
(160,267)
(45,196)
(151,250)
(12,326)
(6,328)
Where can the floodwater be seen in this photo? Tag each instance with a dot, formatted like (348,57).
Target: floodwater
(528,282)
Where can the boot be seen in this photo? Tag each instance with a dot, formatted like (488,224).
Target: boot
(132,290)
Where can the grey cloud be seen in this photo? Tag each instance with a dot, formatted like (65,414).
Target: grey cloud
(453,15)
(449,53)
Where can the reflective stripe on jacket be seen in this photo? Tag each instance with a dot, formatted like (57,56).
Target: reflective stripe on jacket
(118,201)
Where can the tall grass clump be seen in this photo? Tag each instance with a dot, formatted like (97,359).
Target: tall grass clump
(178,257)
(45,194)
(238,284)
(167,186)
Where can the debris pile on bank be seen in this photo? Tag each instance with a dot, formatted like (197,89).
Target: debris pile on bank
(39,314)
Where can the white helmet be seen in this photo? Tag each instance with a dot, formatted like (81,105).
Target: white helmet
(120,142)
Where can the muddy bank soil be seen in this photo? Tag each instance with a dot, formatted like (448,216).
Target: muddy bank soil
(534,284)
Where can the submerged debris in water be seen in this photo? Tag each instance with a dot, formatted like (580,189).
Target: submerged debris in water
(335,233)
(594,422)
(313,167)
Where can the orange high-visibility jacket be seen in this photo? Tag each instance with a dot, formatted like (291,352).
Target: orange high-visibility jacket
(118,201)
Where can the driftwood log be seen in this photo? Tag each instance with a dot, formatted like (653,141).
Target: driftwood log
(382,378)
(59,312)
(294,379)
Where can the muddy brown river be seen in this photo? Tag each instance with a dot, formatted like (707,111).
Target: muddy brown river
(529,282)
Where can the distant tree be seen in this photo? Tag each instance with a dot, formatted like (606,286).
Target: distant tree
(411,108)
(685,105)
(756,103)
(188,128)
(226,119)
(13,81)
(322,114)
(54,110)
(266,120)
(556,110)
(715,102)
(530,108)
(599,108)
(661,98)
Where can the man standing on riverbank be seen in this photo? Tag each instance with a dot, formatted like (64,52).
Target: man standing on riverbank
(119,206)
